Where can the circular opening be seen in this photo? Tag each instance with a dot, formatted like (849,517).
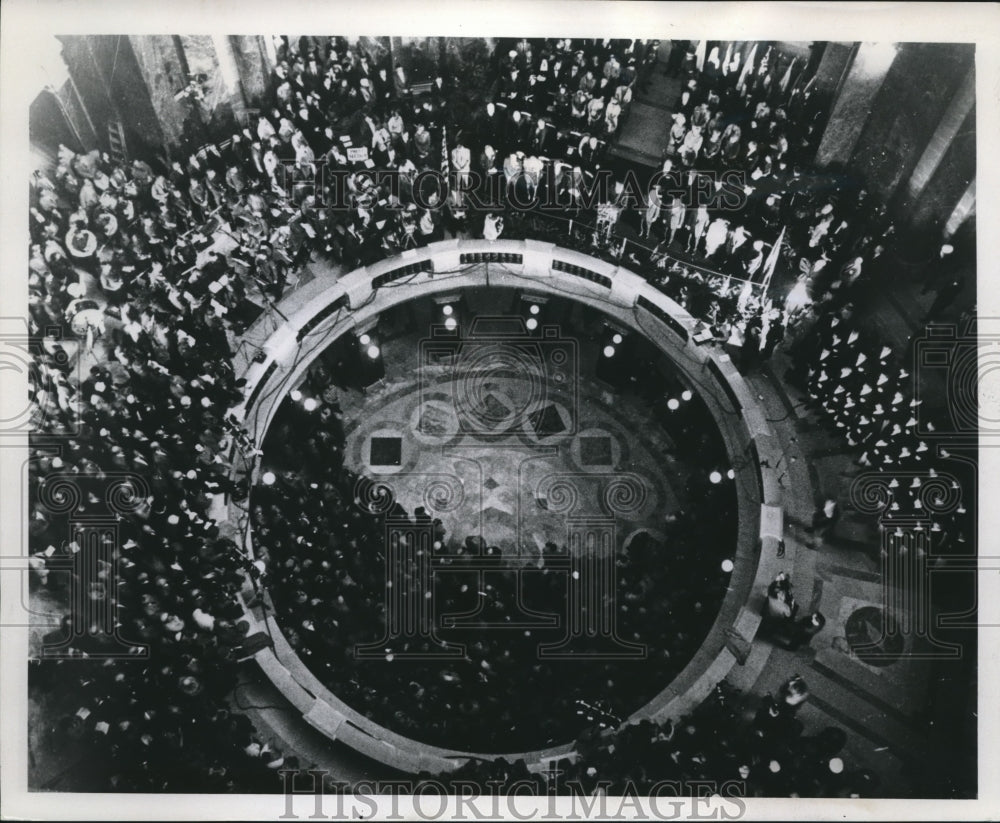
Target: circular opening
(425,587)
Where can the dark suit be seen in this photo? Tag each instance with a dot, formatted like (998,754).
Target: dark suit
(543,141)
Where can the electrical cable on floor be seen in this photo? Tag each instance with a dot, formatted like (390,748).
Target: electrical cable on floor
(247,707)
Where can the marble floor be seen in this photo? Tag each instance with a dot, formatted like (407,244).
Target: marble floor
(511,459)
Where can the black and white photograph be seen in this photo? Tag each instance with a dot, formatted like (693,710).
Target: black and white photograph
(533,411)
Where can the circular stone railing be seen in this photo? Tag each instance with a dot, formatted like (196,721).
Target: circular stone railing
(280,347)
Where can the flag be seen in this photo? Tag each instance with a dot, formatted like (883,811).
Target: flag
(445,163)
(772,260)
(745,294)
(747,68)
(728,58)
(797,85)
(699,54)
(788,76)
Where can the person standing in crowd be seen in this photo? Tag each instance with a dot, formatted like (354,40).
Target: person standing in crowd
(805,629)
(652,213)
(461,164)
(824,518)
(946,295)
(781,605)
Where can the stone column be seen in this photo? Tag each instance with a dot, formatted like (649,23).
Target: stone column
(254,66)
(965,207)
(947,129)
(162,69)
(211,57)
(832,65)
(866,71)
(918,90)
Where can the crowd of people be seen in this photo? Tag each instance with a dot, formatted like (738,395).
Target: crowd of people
(715,745)
(149,272)
(141,441)
(707,233)
(326,560)
(865,394)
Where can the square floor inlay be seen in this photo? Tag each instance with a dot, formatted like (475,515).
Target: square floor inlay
(595,451)
(386,451)
(547,421)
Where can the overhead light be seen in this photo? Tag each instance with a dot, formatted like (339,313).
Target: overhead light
(373,352)
(616,339)
(609,351)
(673,404)
(365,340)
(731,474)
(310,404)
(715,477)
(532,324)
(450,323)
(727,565)
(534,308)
(447,309)
(268,478)
(296,395)
(686,394)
